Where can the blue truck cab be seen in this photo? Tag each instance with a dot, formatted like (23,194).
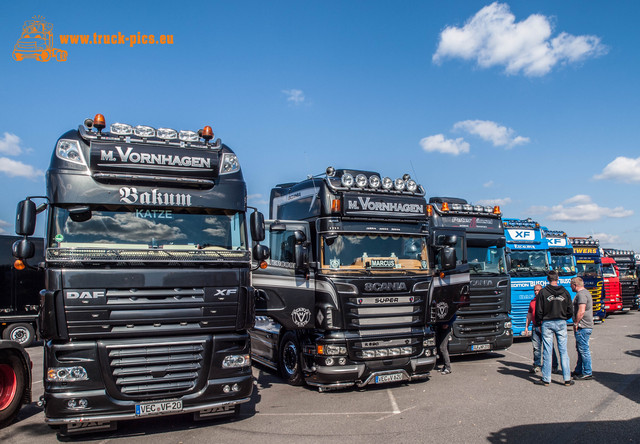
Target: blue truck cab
(562,259)
(589,267)
(529,262)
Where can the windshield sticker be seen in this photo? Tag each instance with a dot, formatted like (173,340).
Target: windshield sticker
(154,214)
(334,263)
(383,263)
(59,238)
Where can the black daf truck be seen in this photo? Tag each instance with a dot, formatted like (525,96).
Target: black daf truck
(355,280)
(484,324)
(148,297)
(19,293)
(626,262)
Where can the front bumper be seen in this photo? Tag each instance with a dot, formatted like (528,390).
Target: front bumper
(472,345)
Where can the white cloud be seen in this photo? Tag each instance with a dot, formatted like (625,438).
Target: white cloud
(606,238)
(499,201)
(296,96)
(3,225)
(580,208)
(491,132)
(488,184)
(10,144)
(257,199)
(16,168)
(492,37)
(621,168)
(439,143)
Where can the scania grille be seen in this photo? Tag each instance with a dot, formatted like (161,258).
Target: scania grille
(465,326)
(482,303)
(383,310)
(387,348)
(612,292)
(156,371)
(152,312)
(628,293)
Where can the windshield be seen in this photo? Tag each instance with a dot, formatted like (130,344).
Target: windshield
(529,263)
(486,260)
(589,270)
(374,252)
(628,273)
(608,271)
(138,229)
(563,263)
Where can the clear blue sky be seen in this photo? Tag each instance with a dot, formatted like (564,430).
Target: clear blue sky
(534,105)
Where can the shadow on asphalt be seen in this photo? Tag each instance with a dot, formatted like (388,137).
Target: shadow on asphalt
(518,369)
(572,432)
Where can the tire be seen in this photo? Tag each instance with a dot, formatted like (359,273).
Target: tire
(289,359)
(12,386)
(61,55)
(17,56)
(22,333)
(44,56)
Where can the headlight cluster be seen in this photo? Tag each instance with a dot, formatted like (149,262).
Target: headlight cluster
(229,163)
(507,324)
(374,182)
(385,352)
(69,150)
(67,374)
(431,342)
(332,349)
(236,361)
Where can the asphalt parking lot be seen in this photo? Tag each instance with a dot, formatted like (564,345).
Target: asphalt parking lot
(487,398)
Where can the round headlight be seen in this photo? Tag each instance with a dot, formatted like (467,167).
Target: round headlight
(399,184)
(374,181)
(412,185)
(478,208)
(361,180)
(347,180)
(488,209)
(387,183)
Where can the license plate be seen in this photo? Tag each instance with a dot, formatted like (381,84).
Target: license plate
(479,347)
(158,408)
(381,379)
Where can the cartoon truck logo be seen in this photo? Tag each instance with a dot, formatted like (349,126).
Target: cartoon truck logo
(36,42)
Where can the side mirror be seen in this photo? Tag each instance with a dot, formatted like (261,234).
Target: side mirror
(302,257)
(26,218)
(261,252)
(256,220)
(23,249)
(448,258)
(300,236)
(447,239)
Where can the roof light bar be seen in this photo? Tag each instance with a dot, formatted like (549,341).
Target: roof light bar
(167,133)
(121,129)
(144,131)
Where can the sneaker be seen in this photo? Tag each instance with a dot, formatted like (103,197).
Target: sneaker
(583,377)
(540,382)
(445,371)
(556,371)
(569,382)
(574,374)
(535,369)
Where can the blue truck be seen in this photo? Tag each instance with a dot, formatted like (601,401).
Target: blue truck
(561,253)
(528,260)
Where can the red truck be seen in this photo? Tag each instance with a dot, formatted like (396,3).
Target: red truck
(613,294)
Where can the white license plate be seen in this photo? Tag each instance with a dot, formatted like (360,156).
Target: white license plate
(479,347)
(381,379)
(158,408)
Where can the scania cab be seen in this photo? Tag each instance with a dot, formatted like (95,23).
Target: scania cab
(586,251)
(528,259)
(626,262)
(148,297)
(484,324)
(612,290)
(355,280)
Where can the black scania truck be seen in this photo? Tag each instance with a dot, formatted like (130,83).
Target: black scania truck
(356,277)
(484,324)
(626,262)
(148,298)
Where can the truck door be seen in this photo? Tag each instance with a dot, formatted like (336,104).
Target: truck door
(450,288)
(286,288)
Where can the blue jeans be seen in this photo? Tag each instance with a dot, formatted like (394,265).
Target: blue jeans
(583,366)
(557,328)
(536,341)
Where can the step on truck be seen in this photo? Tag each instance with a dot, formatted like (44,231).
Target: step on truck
(528,262)
(626,262)
(148,298)
(19,293)
(484,324)
(355,280)
(586,251)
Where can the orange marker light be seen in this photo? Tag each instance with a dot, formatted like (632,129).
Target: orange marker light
(320,349)
(263,265)
(496,210)
(441,275)
(429,210)
(19,265)
(335,206)
(445,206)
(98,122)
(207,133)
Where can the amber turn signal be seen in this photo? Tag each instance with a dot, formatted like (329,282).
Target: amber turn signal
(263,265)
(445,206)
(19,265)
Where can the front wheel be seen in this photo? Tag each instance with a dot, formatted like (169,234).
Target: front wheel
(290,358)
(12,386)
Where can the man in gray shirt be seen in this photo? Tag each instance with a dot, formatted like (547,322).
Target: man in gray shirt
(582,327)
